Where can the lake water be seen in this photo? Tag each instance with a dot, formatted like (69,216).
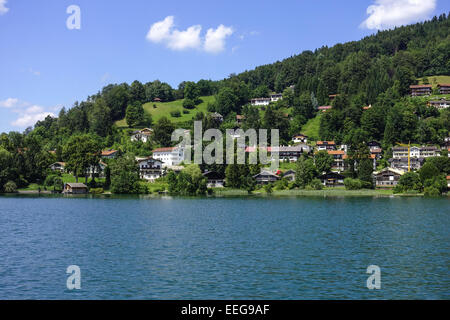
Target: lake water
(224,248)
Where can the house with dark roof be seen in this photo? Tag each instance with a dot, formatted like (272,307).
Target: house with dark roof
(215,179)
(58,166)
(289,175)
(421,90)
(266,177)
(444,88)
(150,169)
(332,179)
(387,178)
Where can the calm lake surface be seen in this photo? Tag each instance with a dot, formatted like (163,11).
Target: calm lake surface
(224,248)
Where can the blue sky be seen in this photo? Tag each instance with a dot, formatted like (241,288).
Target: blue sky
(44,65)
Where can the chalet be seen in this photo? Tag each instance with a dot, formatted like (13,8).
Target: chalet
(142,135)
(367,107)
(217,116)
(399,152)
(289,175)
(439,104)
(300,138)
(261,101)
(338,160)
(421,90)
(444,88)
(326,145)
(324,108)
(332,179)
(240,119)
(215,179)
(275,97)
(169,156)
(98,170)
(265,177)
(150,169)
(448,182)
(75,188)
(58,166)
(402,163)
(157,100)
(290,154)
(387,178)
(374,145)
(109,154)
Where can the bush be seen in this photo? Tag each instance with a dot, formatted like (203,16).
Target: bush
(282,184)
(189,104)
(268,188)
(316,184)
(175,114)
(10,187)
(58,184)
(186,111)
(50,180)
(352,184)
(431,192)
(97,190)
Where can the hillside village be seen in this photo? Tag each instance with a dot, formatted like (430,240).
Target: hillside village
(369,114)
(401,158)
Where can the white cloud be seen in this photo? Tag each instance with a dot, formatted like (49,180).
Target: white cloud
(3,8)
(34,109)
(160,30)
(215,39)
(165,32)
(28,114)
(385,14)
(27,120)
(10,102)
(188,39)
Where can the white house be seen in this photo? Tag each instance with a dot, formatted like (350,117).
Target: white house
(300,138)
(275,97)
(261,101)
(440,104)
(142,135)
(150,169)
(169,156)
(58,166)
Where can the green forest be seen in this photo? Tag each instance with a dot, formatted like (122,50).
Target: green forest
(377,71)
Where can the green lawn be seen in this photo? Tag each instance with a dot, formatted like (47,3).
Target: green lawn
(163,109)
(67,178)
(311,128)
(435,80)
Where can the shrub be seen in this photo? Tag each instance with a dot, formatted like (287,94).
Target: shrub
(97,190)
(10,187)
(431,192)
(50,180)
(175,114)
(352,184)
(58,184)
(268,188)
(189,104)
(316,184)
(186,111)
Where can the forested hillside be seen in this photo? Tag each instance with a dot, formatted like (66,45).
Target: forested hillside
(375,71)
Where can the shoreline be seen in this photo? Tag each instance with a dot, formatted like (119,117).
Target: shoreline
(236,193)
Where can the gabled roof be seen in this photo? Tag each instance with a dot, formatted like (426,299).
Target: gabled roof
(397,171)
(336,152)
(106,153)
(329,143)
(419,86)
(266,173)
(76,185)
(167,149)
